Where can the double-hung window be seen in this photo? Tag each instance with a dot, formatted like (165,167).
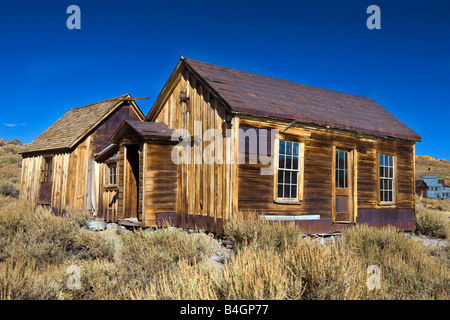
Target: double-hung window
(386,178)
(112,174)
(112,171)
(288,170)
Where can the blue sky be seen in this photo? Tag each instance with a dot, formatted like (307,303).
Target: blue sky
(132,47)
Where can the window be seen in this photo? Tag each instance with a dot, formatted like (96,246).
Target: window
(341,169)
(288,170)
(112,174)
(47,171)
(386,178)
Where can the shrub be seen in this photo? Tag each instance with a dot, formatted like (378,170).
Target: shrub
(430,223)
(149,253)
(22,280)
(407,269)
(248,230)
(35,233)
(9,190)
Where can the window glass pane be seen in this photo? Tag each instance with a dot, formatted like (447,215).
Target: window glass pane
(282,147)
(280,176)
(293,192)
(281,162)
(341,178)
(296,147)
(289,148)
(288,162)
(287,177)
(294,178)
(381,160)
(287,191)
(280,191)
(341,160)
(295,163)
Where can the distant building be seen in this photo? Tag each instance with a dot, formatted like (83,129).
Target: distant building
(436,189)
(421,188)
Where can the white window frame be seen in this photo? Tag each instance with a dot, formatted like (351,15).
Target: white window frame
(110,174)
(383,168)
(300,171)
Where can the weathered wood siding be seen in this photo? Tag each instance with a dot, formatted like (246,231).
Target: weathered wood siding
(120,182)
(79,188)
(73,178)
(110,125)
(204,188)
(107,196)
(256,190)
(159,200)
(30,181)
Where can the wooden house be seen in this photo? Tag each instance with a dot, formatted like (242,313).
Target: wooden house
(421,188)
(58,168)
(290,152)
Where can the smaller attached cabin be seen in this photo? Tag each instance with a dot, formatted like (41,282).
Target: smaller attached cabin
(147,177)
(58,167)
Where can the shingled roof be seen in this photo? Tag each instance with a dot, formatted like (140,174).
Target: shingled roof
(254,94)
(73,126)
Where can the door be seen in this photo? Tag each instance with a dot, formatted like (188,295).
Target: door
(45,191)
(131,190)
(342,185)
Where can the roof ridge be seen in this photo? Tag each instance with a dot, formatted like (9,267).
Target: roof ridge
(98,102)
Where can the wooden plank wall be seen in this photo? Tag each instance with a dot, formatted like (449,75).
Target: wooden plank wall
(59,179)
(30,181)
(78,178)
(73,176)
(204,193)
(107,198)
(256,190)
(120,181)
(159,183)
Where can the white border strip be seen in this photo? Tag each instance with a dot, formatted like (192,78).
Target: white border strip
(290,218)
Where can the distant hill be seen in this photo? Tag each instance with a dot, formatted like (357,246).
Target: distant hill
(428,166)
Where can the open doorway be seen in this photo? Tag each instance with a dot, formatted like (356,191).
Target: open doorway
(131,182)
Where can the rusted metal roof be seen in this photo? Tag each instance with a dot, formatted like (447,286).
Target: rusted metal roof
(259,95)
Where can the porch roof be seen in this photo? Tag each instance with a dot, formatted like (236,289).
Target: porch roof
(144,130)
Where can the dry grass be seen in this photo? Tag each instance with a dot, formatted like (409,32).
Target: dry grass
(37,248)
(430,223)
(270,260)
(246,229)
(408,269)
